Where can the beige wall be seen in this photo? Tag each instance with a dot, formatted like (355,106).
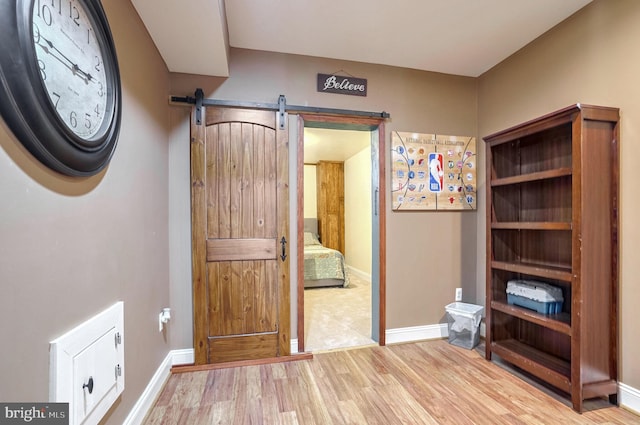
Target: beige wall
(428,254)
(357,209)
(70,248)
(310,196)
(591,58)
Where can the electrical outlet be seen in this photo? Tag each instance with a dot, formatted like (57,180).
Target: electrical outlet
(458,294)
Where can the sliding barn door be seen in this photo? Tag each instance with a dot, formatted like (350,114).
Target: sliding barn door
(240,222)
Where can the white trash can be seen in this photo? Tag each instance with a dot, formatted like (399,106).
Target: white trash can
(464,324)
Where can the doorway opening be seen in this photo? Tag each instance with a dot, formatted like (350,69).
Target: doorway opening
(340,176)
(337,241)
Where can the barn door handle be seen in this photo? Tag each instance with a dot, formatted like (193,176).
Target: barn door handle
(283,242)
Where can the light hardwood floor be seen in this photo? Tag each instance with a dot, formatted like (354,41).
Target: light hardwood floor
(429,382)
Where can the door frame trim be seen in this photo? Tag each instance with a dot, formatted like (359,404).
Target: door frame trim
(374,124)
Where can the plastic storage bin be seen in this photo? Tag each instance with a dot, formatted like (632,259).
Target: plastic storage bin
(538,296)
(464,324)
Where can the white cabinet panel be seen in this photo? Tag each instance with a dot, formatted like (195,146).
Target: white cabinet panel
(87,366)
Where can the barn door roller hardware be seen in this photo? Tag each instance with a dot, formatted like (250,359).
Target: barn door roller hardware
(282,107)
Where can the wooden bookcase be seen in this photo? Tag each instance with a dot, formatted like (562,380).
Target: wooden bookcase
(552,216)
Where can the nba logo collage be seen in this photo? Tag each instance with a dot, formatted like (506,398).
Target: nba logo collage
(433,172)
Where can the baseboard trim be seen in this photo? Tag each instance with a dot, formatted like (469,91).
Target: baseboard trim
(629,398)
(184,356)
(152,391)
(416,333)
(150,394)
(359,273)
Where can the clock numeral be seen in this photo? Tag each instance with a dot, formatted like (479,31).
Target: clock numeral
(87,120)
(42,68)
(36,34)
(53,4)
(57,96)
(98,63)
(73,119)
(44,12)
(97,110)
(101,89)
(74,14)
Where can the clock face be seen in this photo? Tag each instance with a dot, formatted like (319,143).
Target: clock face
(72,70)
(60,88)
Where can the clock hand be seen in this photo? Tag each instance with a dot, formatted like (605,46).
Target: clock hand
(79,71)
(57,57)
(74,67)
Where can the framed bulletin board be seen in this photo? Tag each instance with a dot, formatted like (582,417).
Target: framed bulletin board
(433,172)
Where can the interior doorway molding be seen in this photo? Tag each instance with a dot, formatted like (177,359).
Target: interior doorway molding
(378,256)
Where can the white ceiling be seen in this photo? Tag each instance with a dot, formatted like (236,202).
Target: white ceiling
(462,37)
(333,145)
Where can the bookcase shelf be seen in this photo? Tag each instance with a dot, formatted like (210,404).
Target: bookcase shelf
(543,225)
(549,368)
(552,216)
(534,270)
(542,175)
(560,322)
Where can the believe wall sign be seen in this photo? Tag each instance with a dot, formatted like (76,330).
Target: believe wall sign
(342,85)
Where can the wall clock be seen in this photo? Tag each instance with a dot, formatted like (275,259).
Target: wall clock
(60,91)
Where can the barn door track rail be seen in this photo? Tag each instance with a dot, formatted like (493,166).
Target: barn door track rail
(282,107)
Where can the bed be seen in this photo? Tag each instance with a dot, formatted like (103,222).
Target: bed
(322,266)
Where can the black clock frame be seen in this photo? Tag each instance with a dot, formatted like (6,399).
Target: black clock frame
(25,105)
